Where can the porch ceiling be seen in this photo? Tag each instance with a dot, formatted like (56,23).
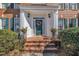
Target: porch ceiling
(38,12)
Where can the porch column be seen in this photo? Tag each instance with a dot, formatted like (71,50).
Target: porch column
(47,25)
(56,21)
(9,24)
(76,22)
(24,22)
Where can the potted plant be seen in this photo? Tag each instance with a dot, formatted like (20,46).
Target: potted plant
(23,30)
(53,31)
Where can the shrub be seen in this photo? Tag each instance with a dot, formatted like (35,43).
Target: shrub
(70,41)
(24,30)
(8,41)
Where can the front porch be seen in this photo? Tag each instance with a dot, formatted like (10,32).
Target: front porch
(39,20)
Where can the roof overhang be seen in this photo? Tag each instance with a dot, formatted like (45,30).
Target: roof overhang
(40,6)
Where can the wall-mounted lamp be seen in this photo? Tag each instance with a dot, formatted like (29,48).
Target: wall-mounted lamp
(28,15)
(49,15)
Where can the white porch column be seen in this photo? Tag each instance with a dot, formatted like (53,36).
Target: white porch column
(0,23)
(22,20)
(0,5)
(25,23)
(48,26)
(76,22)
(56,21)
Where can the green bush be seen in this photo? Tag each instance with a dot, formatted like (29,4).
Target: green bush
(8,41)
(70,41)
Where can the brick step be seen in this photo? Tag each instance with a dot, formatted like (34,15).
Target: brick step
(40,50)
(35,51)
(51,49)
(38,44)
(32,48)
(34,45)
(43,41)
(37,38)
(52,44)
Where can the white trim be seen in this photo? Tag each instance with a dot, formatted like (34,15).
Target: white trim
(34,25)
(76,22)
(38,7)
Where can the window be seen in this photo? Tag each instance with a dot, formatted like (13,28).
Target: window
(72,23)
(16,24)
(65,23)
(60,23)
(5,23)
(61,6)
(12,24)
(5,5)
(78,22)
(11,5)
(66,6)
(69,6)
(72,6)
(77,5)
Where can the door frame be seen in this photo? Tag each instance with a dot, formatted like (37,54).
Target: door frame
(41,27)
(34,25)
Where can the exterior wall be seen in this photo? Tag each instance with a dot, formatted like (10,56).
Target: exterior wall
(68,15)
(69,11)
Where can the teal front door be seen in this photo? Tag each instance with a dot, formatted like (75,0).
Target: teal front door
(38,27)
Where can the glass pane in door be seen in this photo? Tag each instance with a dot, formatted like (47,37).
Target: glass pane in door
(38,27)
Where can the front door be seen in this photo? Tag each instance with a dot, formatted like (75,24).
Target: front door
(38,27)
